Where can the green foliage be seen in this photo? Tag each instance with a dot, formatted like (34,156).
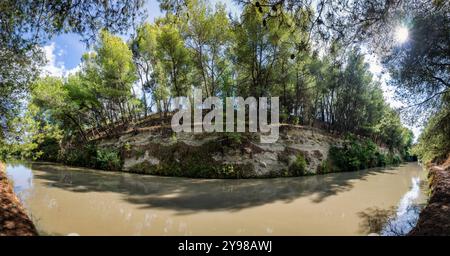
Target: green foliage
(390,131)
(355,154)
(196,45)
(27,24)
(420,70)
(99,95)
(227,170)
(395,159)
(210,35)
(127,147)
(434,143)
(258,45)
(92,156)
(284,117)
(32,137)
(324,167)
(84,155)
(381,159)
(298,167)
(174,58)
(48,149)
(233,139)
(108,159)
(110,73)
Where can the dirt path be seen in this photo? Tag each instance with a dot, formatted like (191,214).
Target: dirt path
(13,219)
(434,220)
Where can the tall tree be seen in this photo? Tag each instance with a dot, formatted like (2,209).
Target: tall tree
(256,48)
(114,63)
(174,57)
(420,68)
(209,38)
(24,25)
(144,47)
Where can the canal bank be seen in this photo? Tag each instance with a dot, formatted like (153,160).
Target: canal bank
(434,220)
(13,219)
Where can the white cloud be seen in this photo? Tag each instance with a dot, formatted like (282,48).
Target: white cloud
(53,67)
(61,52)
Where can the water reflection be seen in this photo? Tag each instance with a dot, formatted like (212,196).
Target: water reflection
(198,194)
(407,213)
(75,200)
(22,178)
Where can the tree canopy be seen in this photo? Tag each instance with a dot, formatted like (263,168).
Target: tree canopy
(312,54)
(25,25)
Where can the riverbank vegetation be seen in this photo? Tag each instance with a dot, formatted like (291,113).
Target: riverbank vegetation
(198,46)
(267,49)
(357,154)
(317,56)
(434,143)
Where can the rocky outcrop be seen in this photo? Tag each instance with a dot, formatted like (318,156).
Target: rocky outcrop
(221,155)
(13,219)
(434,220)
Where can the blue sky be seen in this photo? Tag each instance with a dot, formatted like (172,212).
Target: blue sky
(64,53)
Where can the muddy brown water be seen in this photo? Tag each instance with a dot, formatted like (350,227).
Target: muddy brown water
(64,200)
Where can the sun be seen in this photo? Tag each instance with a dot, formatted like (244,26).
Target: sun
(401,34)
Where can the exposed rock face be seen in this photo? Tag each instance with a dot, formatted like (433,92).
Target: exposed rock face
(434,219)
(225,156)
(13,219)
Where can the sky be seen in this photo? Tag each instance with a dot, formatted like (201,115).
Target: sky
(64,54)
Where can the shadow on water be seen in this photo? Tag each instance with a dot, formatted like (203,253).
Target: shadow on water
(395,221)
(387,223)
(186,195)
(373,220)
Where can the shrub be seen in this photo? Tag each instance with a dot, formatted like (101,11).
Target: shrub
(298,167)
(48,149)
(284,117)
(344,158)
(233,139)
(397,160)
(127,147)
(355,155)
(324,167)
(381,159)
(91,156)
(108,159)
(295,120)
(393,159)
(80,156)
